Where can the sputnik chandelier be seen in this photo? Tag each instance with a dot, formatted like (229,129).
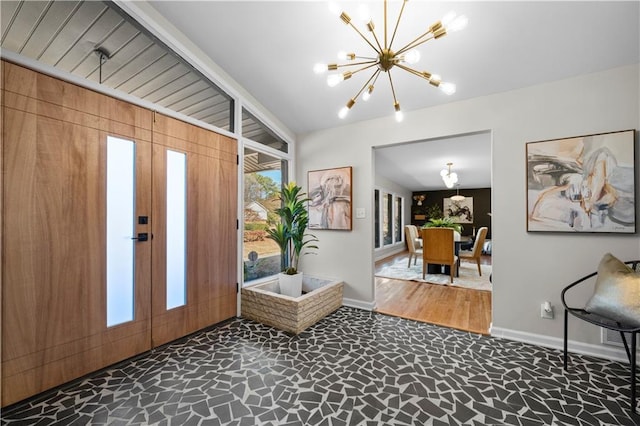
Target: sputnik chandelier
(386,57)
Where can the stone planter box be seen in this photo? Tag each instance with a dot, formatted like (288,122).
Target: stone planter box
(264,303)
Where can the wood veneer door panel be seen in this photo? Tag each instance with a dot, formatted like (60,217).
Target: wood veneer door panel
(211,229)
(54,228)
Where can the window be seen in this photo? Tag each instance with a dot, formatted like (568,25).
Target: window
(388,219)
(376,197)
(387,214)
(263,178)
(397,220)
(254,129)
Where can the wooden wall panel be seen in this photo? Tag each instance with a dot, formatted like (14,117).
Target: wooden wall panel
(211,228)
(54,225)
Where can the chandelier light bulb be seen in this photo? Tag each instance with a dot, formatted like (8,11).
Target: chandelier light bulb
(334,79)
(364,14)
(448,88)
(345,109)
(399,115)
(448,18)
(367,93)
(457,24)
(320,68)
(344,56)
(334,8)
(443,173)
(412,57)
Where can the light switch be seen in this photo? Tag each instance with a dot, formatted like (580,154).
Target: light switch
(360,213)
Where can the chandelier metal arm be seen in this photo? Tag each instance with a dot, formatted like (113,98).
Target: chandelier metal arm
(393,90)
(411,70)
(375,73)
(385,25)
(368,58)
(417,42)
(397,23)
(363,36)
(363,68)
(375,37)
(372,61)
(422,74)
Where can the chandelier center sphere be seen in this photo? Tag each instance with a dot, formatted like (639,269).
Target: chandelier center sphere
(386,59)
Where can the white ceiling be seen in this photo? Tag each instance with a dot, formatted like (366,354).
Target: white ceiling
(270,47)
(416,166)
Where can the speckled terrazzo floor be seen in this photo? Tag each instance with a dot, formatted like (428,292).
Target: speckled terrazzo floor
(353,368)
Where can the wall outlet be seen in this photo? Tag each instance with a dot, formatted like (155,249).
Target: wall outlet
(546,310)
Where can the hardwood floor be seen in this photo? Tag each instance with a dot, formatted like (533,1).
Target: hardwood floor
(455,307)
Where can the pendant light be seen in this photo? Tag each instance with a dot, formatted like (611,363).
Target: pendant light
(458,197)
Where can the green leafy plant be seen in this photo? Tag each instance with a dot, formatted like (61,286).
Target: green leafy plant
(433,212)
(290,231)
(443,222)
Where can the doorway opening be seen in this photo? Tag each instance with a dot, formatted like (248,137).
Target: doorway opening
(412,172)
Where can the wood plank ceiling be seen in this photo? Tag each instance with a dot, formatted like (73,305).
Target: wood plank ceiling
(68,35)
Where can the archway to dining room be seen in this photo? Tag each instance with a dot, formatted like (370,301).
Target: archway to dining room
(409,190)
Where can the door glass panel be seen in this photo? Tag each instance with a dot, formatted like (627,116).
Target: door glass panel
(120,229)
(263,178)
(176,228)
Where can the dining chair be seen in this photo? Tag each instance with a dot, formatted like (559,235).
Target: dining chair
(413,243)
(438,248)
(476,251)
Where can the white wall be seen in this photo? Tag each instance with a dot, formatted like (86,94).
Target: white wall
(528,267)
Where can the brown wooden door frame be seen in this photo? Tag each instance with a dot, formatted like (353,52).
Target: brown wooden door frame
(54,139)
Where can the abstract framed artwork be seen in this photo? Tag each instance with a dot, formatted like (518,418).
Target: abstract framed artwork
(330,199)
(458,211)
(582,184)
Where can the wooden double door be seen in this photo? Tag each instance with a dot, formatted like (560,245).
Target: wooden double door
(56,231)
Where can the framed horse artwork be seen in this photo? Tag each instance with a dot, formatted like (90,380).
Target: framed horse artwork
(330,199)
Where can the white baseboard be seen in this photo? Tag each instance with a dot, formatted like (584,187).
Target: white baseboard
(599,351)
(353,303)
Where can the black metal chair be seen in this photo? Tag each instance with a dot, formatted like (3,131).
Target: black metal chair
(605,323)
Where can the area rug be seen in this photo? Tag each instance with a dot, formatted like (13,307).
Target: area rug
(468,275)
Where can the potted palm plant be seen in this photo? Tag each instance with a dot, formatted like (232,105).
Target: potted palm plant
(291,236)
(443,222)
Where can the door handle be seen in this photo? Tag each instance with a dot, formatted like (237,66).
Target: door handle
(142,236)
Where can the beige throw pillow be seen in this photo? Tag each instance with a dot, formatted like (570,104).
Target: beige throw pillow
(617,292)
